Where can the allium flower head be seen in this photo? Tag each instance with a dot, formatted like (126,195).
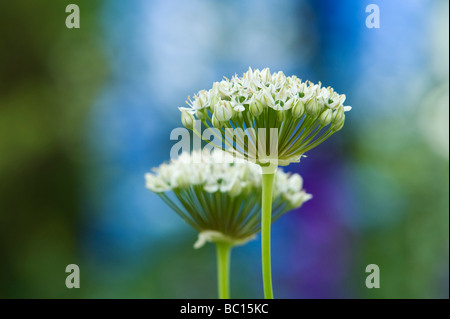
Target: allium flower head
(220,198)
(304,114)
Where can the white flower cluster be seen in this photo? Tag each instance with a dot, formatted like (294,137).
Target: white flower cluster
(258,90)
(218,172)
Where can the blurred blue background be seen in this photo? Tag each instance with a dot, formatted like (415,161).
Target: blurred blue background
(85,113)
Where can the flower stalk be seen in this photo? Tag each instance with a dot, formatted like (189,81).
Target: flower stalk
(223,251)
(266,221)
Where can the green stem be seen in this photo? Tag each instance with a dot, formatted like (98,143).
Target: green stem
(223,269)
(267,185)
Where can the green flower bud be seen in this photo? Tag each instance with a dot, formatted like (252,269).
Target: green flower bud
(187,119)
(312,107)
(215,122)
(326,117)
(298,110)
(223,111)
(340,126)
(338,118)
(256,108)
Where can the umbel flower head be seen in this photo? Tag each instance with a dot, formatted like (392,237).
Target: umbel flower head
(303,114)
(221,198)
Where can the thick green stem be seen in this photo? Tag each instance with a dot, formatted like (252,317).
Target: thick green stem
(266,220)
(223,269)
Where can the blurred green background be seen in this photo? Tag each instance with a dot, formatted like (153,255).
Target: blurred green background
(84,113)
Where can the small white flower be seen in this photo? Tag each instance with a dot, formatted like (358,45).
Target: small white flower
(305,90)
(267,97)
(266,77)
(331,99)
(238,107)
(202,99)
(279,80)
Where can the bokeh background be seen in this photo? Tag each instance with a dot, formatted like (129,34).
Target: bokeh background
(84,113)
